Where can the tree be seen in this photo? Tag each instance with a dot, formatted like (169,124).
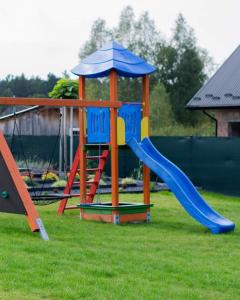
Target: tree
(190,77)
(182,66)
(160,109)
(20,86)
(65,88)
(182,70)
(99,35)
(139,35)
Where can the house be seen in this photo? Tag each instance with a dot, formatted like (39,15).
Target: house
(38,121)
(220,97)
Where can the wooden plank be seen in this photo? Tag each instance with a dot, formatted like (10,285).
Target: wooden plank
(82,142)
(146,108)
(113,138)
(58,102)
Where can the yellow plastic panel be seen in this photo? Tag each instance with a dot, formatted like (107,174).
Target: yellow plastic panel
(121,138)
(85,123)
(144,128)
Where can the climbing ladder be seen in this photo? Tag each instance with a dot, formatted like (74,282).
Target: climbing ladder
(93,183)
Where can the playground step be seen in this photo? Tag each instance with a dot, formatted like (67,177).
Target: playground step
(90,194)
(92,186)
(97,146)
(95,157)
(72,207)
(92,170)
(91,182)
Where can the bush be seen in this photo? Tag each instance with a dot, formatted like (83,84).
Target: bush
(128,180)
(50,177)
(137,173)
(77,176)
(101,182)
(65,88)
(26,180)
(59,183)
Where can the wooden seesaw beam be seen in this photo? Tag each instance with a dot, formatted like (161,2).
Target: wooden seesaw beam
(58,102)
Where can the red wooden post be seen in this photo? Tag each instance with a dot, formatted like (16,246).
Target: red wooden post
(113,138)
(145,104)
(82,141)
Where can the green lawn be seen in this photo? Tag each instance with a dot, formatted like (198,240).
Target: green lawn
(173,257)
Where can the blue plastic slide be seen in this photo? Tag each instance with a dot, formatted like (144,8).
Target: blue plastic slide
(181,186)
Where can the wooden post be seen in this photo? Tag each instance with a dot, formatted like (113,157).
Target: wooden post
(71,138)
(146,170)
(113,138)
(60,144)
(65,140)
(82,141)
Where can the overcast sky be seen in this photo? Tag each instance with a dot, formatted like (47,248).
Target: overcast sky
(38,37)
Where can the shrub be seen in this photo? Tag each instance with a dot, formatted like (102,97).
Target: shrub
(152,186)
(65,88)
(26,179)
(77,176)
(128,180)
(50,177)
(137,173)
(101,182)
(29,181)
(59,183)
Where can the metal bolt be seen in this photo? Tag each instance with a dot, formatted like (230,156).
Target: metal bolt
(5,195)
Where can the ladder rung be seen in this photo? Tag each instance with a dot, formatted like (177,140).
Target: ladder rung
(75,195)
(93,169)
(95,157)
(72,207)
(91,182)
(89,194)
(97,146)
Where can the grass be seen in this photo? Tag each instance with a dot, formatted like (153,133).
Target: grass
(173,257)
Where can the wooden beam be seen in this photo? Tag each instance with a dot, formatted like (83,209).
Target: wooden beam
(82,141)
(113,138)
(146,171)
(58,102)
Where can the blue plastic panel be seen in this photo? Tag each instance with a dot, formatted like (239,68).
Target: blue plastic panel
(98,125)
(113,56)
(131,113)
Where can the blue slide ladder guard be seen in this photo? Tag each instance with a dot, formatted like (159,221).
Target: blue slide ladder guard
(98,125)
(131,113)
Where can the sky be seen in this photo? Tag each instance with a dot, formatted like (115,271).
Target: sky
(38,37)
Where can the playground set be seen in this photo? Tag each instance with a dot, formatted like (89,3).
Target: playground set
(106,126)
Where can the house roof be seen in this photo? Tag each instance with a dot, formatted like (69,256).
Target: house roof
(20,112)
(223,89)
(113,56)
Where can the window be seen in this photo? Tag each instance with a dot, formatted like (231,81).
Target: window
(234,129)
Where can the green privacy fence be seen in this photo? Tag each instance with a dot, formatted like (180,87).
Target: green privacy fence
(212,163)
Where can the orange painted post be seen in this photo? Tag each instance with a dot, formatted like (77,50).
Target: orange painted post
(145,104)
(113,138)
(82,141)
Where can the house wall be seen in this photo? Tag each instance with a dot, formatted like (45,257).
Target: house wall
(42,121)
(224,117)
